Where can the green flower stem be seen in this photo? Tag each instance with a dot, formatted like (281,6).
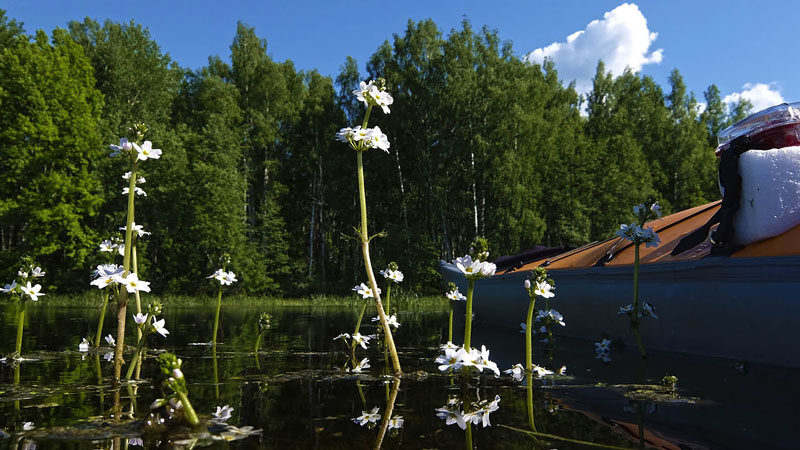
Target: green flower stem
(102,318)
(138,354)
(529,335)
(255,350)
(389,297)
(450,327)
(191,416)
(358,327)
(635,316)
(368,263)
(216,373)
(469,436)
(387,415)
(468,322)
(529,388)
(20,326)
(122,304)
(216,315)
(138,297)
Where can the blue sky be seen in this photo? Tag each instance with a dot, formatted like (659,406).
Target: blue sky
(746,49)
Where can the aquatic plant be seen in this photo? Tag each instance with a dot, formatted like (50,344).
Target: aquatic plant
(22,294)
(537,285)
(361,139)
(146,323)
(136,151)
(170,366)
(453,296)
(474,267)
(639,234)
(225,278)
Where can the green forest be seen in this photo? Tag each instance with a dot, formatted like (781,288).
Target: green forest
(482,144)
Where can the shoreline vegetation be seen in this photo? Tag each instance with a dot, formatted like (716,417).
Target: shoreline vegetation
(482,144)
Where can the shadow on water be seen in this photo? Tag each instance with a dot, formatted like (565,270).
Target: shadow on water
(295,393)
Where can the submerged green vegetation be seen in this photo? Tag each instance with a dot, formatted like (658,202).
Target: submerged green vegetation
(482,143)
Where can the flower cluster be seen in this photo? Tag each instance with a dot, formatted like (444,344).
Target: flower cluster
(454,295)
(603,349)
(365,291)
(158,325)
(392,273)
(474,269)
(390,320)
(25,273)
(370,417)
(374,94)
(143,152)
(225,278)
(477,413)
(637,232)
(550,316)
(647,310)
(356,338)
(457,358)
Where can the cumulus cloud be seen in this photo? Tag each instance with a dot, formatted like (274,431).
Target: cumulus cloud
(761,95)
(621,39)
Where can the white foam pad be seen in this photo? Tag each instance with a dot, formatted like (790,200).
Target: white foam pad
(770,194)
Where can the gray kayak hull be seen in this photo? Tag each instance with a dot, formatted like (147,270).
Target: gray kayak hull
(746,309)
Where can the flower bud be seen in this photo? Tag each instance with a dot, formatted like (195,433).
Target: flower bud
(177,374)
(527,284)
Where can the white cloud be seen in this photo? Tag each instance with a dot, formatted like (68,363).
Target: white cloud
(761,95)
(621,39)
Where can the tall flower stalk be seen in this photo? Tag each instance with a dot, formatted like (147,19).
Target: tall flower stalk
(136,151)
(361,139)
(639,234)
(453,296)
(538,285)
(474,267)
(225,278)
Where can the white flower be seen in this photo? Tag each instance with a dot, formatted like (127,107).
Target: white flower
(124,145)
(84,345)
(603,346)
(451,360)
(603,356)
(222,413)
(361,340)
(394,275)
(9,288)
(368,417)
(134,284)
(485,363)
(110,341)
(562,370)
(107,274)
(28,426)
(158,325)
(137,228)
(540,371)
(516,371)
(625,309)
(452,416)
(229,278)
(32,291)
(550,315)
(396,422)
(656,209)
(543,289)
(140,318)
(359,133)
(107,246)
(109,356)
(146,151)
(381,98)
(481,415)
(449,345)
(390,320)
(455,295)
(376,139)
(137,441)
(527,284)
(365,291)
(137,190)
(345,135)
(363,364)
(471,357)
(342,336)
(649,310)
(363,90)
(37,272)
(127,175)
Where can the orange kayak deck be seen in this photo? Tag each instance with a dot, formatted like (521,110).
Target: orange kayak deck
(671,229)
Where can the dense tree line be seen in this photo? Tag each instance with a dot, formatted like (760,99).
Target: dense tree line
(481,144)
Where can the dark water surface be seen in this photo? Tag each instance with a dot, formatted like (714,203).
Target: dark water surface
(297,395)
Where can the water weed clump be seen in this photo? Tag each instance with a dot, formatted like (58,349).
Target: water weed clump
(175,382)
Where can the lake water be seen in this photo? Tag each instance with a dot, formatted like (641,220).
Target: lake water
(295,392)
